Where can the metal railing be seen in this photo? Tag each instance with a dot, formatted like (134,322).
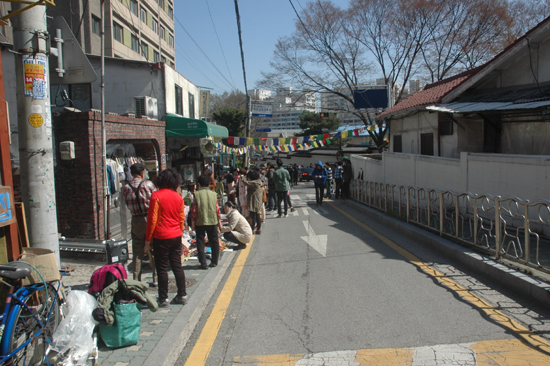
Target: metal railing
(508,227)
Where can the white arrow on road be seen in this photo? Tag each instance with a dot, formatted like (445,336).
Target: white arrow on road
(317,242)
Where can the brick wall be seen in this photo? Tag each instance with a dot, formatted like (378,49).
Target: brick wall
(78,182)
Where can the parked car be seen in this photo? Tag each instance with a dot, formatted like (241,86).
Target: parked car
(305,174)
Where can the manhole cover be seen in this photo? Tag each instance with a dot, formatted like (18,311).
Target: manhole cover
(189,282)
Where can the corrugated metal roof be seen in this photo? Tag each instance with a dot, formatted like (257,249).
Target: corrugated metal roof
(482,107)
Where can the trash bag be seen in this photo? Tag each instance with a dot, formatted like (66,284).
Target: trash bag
(125,330)
(73,338)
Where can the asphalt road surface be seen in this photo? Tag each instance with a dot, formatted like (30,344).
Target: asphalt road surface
(329,286)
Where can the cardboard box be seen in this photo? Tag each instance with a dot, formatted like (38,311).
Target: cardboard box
(45,261)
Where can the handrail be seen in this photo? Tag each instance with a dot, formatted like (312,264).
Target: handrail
(508,227)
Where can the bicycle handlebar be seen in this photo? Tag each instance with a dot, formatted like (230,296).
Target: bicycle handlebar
(7,268)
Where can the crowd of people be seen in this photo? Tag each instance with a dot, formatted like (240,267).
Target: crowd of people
(159,212)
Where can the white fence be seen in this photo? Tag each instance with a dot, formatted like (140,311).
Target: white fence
(503,227)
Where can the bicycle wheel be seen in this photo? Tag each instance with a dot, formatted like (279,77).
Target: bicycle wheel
(23,328)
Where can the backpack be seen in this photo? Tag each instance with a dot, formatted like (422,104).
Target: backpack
(104,276)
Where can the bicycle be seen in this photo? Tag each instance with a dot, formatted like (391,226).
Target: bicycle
(30,316)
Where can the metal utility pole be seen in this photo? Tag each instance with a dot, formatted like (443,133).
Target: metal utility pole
(106,196)
(35,126)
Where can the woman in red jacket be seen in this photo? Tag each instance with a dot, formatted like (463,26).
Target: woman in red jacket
(165,222)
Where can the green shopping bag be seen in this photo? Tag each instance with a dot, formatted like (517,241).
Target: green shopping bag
(125,330)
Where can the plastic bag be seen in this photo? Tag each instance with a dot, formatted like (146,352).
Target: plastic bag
(73,338)
(125,331)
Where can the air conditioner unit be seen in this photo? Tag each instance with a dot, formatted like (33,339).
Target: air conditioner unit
(146,107)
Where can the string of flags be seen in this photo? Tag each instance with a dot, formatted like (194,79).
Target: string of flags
(281,144)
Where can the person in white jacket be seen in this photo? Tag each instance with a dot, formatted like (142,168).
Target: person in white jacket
(238,229)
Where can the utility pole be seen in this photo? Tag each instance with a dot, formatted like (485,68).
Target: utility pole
(34,115)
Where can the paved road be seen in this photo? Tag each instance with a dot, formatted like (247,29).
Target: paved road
(367,297)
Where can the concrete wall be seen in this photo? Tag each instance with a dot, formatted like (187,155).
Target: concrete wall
(173,78)
(410,129)
(523,176)
(125,79)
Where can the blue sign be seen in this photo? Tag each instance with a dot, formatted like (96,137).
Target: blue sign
(6,207)
(370,99)
(263,130)
(261,110)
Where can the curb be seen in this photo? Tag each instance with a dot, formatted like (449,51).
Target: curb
(175,338)
(510,278)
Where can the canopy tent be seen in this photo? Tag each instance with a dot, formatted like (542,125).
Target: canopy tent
(177,126)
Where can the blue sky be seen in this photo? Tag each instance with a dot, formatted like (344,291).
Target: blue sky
(262,23)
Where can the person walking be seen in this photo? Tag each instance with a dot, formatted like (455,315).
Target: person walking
(328,194)
(281,177)
(242,193)
(137,195)
(205,220)
(165,223)
(237,230)
(295,175)
(337,174)
(347,176)
(320,180)
(254,186)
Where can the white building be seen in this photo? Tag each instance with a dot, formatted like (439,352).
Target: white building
(259,94)
(288,104)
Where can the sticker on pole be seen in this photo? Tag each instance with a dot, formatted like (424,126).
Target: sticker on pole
(36,78)
(36,120)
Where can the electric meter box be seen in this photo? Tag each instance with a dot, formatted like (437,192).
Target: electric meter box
(66,148)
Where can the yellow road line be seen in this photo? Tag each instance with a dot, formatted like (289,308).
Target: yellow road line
(530,337)
(204,344)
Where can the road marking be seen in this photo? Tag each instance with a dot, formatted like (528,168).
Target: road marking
(317,242)
(311,196)
(204,344)
(306,212)
(528,336)
(294,213)
(295,197)
(322,211)
(484,353)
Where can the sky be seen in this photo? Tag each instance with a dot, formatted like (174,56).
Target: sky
(262,23)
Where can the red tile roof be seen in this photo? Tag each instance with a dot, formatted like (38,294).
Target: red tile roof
(431,94)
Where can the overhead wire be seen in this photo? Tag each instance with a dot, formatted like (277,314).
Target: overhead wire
(219,42)
(204,54)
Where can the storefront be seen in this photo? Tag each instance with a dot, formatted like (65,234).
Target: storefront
(190,145)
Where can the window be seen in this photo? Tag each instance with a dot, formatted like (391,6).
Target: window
(171,40)
(161,3)
(155,26)
(144,49)
(135,43)
(179,101)
(117,32)
(134,7)
(171,12)
(162,59)
(156,56)
(397,143)
(162,32)
(143,15)
(96,25)
(427,143)
(191,105)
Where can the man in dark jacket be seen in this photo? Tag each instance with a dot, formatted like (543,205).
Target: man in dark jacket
(320,180)
(347,176)
(270,187)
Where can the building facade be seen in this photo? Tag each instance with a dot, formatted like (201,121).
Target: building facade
(134,29)
(288,104)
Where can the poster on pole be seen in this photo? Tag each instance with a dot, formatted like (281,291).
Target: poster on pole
(262,110)
(35,76)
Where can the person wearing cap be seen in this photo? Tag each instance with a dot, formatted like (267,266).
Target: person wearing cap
(137,195)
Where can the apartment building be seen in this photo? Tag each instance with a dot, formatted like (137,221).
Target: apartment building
(140,30)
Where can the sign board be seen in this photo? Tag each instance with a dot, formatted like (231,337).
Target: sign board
(370,99)
(75,66)
(36,77)
(263,130)
(204,103)
(7,210)
(261,110)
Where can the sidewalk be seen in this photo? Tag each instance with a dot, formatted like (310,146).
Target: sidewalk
(165,332)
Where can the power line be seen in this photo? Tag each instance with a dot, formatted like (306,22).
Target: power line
(205,55)
(219,42)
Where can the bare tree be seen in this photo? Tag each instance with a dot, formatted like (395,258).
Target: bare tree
(235,99)
(321,56)
(525,14)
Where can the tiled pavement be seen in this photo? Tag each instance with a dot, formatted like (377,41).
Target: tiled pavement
(154,325)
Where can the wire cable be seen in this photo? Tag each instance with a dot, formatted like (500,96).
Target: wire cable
(219,42)
(204,54)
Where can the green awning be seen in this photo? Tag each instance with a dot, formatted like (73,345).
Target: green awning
(177,126)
